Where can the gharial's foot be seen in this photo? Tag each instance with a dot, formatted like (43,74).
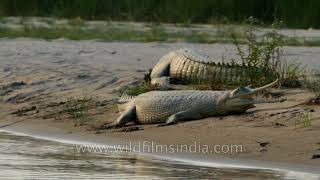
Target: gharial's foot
(166,124)
(108,126)
(105,127)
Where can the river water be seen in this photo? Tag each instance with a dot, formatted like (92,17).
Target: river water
(25,157)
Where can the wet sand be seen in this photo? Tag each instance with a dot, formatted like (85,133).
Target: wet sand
(54,71)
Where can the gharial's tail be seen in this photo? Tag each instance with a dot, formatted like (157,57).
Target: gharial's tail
(124,102)
(125,98)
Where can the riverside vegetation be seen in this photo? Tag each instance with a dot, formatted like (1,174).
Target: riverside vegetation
(79,29)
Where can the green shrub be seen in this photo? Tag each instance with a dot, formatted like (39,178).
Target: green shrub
(262,54)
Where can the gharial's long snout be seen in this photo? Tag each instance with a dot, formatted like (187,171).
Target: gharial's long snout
(244,94)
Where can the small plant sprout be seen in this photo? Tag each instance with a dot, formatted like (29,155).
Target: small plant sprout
(78,109)
(307,119)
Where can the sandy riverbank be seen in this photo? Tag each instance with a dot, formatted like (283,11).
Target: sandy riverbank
(52,72)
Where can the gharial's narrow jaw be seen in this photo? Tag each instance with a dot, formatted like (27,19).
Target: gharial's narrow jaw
(246,91)
(244,96)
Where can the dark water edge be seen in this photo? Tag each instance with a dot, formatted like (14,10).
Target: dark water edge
(30,158)
(295,13)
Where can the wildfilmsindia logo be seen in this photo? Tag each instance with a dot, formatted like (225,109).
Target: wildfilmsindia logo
(153,147)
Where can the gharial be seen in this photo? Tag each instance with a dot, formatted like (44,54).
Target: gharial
(186,65)
(170,107)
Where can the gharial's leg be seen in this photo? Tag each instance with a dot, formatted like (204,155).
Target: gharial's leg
(160,75)
(181,116)
(162,83)
(128,115)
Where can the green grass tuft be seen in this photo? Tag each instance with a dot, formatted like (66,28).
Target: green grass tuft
(78,110)
(137,89)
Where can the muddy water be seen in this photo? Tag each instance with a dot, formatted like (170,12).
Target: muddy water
(28,158)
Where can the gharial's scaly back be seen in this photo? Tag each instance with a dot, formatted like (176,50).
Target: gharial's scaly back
(189,66)
(157,106)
